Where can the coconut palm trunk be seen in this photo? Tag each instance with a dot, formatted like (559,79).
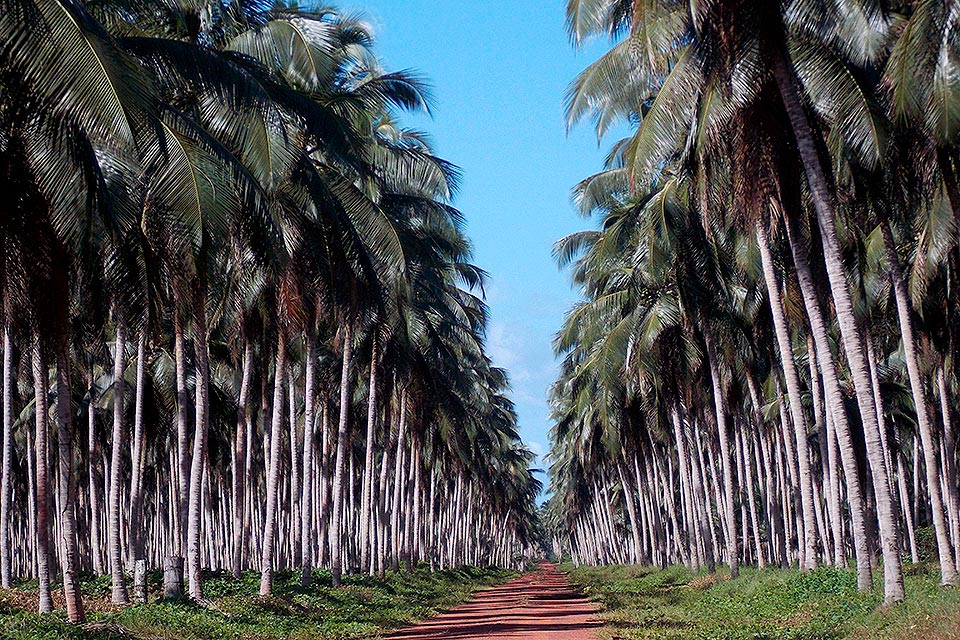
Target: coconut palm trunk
(836,411)
(948,571)
(119,588)
(343,427)
(747,439)
(136,527)
(850,333)
(952,493)
(366,495)
(628,501)
(241,445)
(183,435)
(5,478)
(309,435)
(326,478)
(833,453)
(294,489)
(792,379)
(95,479)
(398,488)
(728,502)
(829,480)
(201,338)
(68,488)
(42,466)
(686,492)
(273,468)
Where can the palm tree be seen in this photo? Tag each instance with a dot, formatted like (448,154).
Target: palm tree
(6,481)
(693,72)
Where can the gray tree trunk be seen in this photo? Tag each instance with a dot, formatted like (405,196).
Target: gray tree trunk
(850,333)
(309,435)
(137,453)
(240,454)
(343,432)
(68,488)
(119,587)
(42,465)
(366,494)
(728,503)
(95,480)
(273,470)
(183,435)
(7,469)
(948,571)
(792,379)
(952,497)
(201,339)
(398,488)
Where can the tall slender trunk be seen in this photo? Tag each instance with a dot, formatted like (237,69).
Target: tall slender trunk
(273,471)
(907,511)
(137,531)
(68,487)
(326,478)
(366,497)
(241,446)
(747,438)
(728,506)
(295,468)
(383,527)
(833,396)
(850,333)
(95,472)
(201,340)
(183,434)
(42,466)
(792,379)
(952,497)
(336,557)
(398,476)
(948,571)
(839,551)
(628,502)
(415,525)
(5,479)
(686,491)
(119,588)
(309,435)
(833,547)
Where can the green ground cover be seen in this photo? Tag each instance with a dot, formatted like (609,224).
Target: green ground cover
(363,608)
(766,604)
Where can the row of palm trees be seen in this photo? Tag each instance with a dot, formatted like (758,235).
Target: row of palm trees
(241,325)
(762,367)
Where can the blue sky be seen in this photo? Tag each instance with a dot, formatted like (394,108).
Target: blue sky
(499,69)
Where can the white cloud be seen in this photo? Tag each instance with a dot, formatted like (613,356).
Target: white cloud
(503,347)
(515,351)
(539,449)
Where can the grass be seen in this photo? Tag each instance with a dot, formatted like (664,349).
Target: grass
(766,604)
(363,608)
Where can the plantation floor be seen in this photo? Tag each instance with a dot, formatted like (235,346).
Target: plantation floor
(766,604)
(536,606)
(365,607)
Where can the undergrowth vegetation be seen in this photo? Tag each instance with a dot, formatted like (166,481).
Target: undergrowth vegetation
(363,607)
(765,604)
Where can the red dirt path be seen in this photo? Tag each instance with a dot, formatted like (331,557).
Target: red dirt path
(536,606)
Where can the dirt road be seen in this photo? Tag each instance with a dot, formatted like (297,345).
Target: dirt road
(536,606)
